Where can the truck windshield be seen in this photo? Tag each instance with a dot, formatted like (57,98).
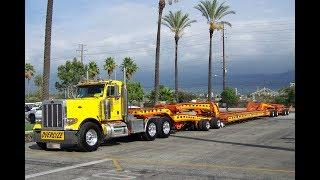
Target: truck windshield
(90,91)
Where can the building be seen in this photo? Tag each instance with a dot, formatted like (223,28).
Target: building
(264,92)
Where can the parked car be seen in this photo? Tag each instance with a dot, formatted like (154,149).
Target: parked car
(33,114)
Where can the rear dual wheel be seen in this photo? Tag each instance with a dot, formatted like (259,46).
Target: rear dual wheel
(157,127)
(164,127)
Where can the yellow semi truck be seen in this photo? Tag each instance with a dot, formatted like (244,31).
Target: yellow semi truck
(99,112)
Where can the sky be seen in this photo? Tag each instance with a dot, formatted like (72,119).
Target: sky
(261,39)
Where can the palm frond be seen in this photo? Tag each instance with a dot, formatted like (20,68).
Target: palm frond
(177,22)
(202,8)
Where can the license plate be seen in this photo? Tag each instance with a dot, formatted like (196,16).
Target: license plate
(52,135)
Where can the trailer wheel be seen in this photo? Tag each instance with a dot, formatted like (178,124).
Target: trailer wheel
(204,125)
(271,113)
(89,137)
(164,127)
(42,145)
(276,113)
(287,112)
(215,123)
(151,130)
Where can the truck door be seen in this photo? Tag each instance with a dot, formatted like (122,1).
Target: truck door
(114,98)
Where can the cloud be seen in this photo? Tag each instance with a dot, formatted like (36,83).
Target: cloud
(122,28)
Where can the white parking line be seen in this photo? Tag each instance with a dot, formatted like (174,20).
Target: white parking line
(65,168)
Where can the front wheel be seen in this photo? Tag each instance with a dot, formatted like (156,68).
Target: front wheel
(42,145)
(151,130)
(89,137)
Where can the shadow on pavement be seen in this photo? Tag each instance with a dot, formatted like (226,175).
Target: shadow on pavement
(235,143)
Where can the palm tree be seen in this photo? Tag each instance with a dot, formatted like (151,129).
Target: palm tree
(213,12)
(109,66)
(28,72)
(177,22)
(161,5)
(47,48)
(93,70)
(131,67)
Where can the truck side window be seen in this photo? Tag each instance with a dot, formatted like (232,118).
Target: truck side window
(111,91)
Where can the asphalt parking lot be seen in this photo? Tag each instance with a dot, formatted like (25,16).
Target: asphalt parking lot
(258,149)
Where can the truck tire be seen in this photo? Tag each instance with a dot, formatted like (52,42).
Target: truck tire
(42,145)
(164,127)
(32,118)
(215,123)
(276,113)
(284,113)
(271,113)
(204,125)
(151,130)
(287,112)
(89,137)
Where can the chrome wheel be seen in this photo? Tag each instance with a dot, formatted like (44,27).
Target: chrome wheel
(91,137)
(207,125)
(222,124)
(219,123)
(166,127)
(152,129)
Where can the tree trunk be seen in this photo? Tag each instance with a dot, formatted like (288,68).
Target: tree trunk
(210,68)
(176,65)
(162,4)
(47,48)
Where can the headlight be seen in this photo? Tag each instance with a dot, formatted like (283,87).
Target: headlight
(38,121)
(71,121)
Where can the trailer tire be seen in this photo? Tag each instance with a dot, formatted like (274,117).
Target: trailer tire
(271,114)
(204,125)
(42,145)
(164,127)
(276,113)
(151,130)
(215,123)
(89,137)
(287,112)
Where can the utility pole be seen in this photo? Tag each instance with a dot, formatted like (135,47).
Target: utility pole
(81,52)
(81,58)
(224,62)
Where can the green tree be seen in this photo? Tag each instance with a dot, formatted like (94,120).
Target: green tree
(229,97)
(287,96)
(213,12)
(70,74)
(93,70)
(184,96)
(177,22)
(131,67)
(47,49)
(135,92)
(161,6)
(165,94)
(109,66)
(28,72)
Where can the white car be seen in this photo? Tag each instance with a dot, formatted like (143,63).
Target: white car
(34,114)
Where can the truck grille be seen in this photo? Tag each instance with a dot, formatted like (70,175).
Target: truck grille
(53,115)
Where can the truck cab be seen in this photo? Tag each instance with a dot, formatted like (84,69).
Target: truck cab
(98,112)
